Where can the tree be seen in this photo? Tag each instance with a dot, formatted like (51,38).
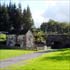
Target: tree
(12,16)
(27,19)
(43,26)
(39,35)
(14,20)
(4,18)
(54,26)
(49,26)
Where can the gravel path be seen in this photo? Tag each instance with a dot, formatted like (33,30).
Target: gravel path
(9,61)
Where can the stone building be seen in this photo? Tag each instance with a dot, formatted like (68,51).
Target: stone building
(25,41)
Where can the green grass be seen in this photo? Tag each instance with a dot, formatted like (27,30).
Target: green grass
(59,60)
(12,53)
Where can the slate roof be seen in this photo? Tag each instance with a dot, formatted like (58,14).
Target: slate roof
(15,32)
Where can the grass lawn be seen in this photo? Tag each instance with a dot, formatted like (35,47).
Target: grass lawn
(12,53)
(59,60)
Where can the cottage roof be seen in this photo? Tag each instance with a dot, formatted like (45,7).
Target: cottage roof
(17,32)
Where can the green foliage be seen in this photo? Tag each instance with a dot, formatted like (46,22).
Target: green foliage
(4,17)
(39,36)
(27,19)
(2,37)
(13,19)
(54,26)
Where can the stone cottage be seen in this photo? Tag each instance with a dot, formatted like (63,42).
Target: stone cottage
(25,41)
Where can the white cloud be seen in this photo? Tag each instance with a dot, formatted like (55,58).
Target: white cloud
(50,9)
(59,11)
(38,18)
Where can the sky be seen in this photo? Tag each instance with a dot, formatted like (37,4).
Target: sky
(44,10)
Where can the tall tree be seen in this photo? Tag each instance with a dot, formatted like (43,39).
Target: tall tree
(27,18)
(4,18)
(14,20)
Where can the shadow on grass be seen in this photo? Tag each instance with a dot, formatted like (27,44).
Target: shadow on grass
(48,51)
(62,56)
(64,49)
(58,58)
